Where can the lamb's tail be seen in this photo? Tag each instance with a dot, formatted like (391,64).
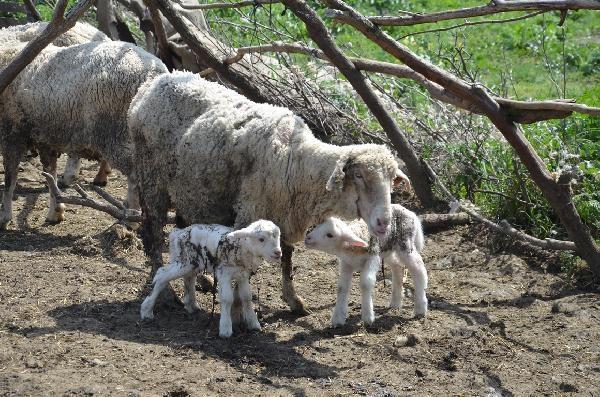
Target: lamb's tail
(419,237)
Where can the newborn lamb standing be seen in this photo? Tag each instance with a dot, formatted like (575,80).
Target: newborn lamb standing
(401,247)
(232,255)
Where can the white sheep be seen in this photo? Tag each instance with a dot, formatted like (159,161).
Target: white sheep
(400,248)
(79,34)
(56,107)
(231,255)
(219,158)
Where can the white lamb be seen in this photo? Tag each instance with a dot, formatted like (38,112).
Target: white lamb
(230,255)
(401,247)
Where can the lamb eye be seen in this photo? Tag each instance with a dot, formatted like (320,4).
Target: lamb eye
(329,235)
(262,240)
(357,175)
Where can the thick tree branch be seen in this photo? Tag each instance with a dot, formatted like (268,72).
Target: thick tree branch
(60,23)
(321,36)
(32,12)
(494,7)
(240,4)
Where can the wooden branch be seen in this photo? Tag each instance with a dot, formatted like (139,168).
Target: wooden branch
(11,7)
(32,12)
(240,4)
(60,23)
(436,222)
(161,36)
(321,36)
(557,194)
(121,214)
(520,111)
(104,194)
(495,7)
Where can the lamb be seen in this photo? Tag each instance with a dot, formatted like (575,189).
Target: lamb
(231,255)
(400,248)
(56,108)
(217,157)
(80,33)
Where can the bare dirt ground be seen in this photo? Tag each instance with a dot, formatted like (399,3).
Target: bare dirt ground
(499,324)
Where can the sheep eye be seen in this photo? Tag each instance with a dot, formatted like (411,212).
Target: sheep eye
(262,240)
(329,235)
(357,175)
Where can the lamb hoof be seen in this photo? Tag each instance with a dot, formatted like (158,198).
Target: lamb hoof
(100,183)
(368,320)
(421,310)
(395,305)
(253,325)
(147,316)
(338,320)
(226,333)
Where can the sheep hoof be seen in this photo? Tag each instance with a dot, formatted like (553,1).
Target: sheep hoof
(56,216)
(368,319)
(99,183)
(253,325)
(192,307)
(298,307)
(4,223)
(338,321)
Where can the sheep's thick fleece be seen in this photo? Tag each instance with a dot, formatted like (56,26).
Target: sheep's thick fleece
(78,34)
(227,160)
(75,99)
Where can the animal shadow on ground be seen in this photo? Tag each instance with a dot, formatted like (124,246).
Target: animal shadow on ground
(197,331)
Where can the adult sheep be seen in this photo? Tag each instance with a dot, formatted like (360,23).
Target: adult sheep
(73,100)
(79,34)
(217,157)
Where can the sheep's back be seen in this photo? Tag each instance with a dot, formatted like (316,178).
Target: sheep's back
(80,109)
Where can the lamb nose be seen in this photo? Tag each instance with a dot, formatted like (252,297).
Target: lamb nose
(277,253)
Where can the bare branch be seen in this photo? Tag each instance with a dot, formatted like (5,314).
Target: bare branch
(495,7)
(32,12)
(435,222)
(86,201)
(104,194)
(240,4)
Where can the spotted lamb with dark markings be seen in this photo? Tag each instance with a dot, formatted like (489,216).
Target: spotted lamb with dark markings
(231,255)
(400,247)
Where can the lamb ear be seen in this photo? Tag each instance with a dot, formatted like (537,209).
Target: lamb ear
(401,178)
(336,180)
(238,234)
(353,240)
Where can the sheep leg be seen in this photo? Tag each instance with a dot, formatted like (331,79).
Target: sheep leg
(368,277)
(11,160)
(133,194)
(189,300)
(226,300)
(162,278)
(397,283)
(289,294)
(101,178)
(418,273)
(56,211)
(248,312)
(236,308)
(340,311)
(72,169)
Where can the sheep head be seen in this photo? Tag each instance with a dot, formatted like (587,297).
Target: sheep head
(367,174)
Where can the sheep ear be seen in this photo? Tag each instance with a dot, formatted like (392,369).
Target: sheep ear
(336,180)
(238,234)
(353,240)
(400,179)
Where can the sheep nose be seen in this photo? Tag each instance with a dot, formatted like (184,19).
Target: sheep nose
(277,253)
(383,222)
